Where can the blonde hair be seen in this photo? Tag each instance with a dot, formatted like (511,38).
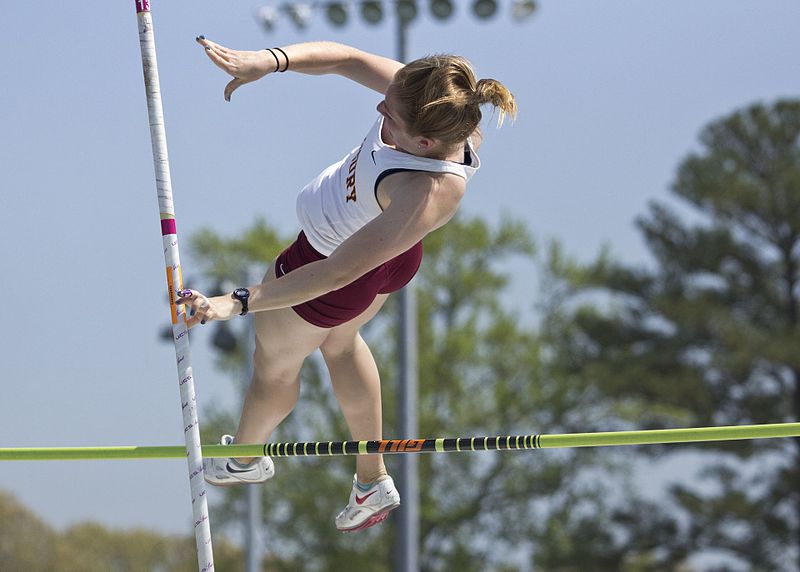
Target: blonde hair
(441,98)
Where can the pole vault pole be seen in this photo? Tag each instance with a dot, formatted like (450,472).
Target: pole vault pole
(180,332)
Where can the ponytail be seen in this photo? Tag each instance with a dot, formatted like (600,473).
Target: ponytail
(494,92)
(441,98)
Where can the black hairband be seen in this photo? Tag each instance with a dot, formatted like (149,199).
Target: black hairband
(285,56)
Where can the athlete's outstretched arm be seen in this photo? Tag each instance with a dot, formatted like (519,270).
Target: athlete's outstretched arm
(315,58)
(424,205)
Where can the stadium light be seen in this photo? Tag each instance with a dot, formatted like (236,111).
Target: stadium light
(522,9)
(372,12)
(300,14)
(224,339)
(484,9)
(406,10)
(267,16)
(337,13)
(441,9)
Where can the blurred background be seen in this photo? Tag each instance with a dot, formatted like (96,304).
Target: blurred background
(626,258)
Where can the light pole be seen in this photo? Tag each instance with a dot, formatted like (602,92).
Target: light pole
(226,341)
(253,545)
(406,555)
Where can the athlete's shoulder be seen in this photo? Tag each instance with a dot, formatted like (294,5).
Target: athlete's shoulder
(425,185)
(427,180)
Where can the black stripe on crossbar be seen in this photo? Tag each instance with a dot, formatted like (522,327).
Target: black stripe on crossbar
(506,443)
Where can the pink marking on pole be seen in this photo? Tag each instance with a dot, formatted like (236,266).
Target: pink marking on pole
(168,226)
(142,6)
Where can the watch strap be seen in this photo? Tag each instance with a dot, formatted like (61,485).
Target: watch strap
(243,295)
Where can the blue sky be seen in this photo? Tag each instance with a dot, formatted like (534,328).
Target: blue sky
(612,95)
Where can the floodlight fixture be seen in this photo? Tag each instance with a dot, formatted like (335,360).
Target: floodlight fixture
(224,339)
(441,9)
(337,13)
(522,9)
(406,10)
(372,11)
(300,14)
(484,9)
(267,16)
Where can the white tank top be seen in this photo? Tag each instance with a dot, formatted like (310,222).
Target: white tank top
(343,198)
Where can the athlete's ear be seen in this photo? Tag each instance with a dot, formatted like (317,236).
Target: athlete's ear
(425,143)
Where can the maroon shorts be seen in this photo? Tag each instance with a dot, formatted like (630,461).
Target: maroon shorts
(340,306)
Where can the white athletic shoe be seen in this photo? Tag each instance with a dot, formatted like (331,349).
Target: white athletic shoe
(368,508)
(227,472)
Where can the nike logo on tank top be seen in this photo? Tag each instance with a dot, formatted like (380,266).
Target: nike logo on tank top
(342,198)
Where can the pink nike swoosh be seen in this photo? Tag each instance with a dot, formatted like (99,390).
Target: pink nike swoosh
(360,500)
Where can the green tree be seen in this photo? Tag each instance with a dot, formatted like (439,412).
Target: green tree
(482,372)
(708,334)
(27,544)
(25,541)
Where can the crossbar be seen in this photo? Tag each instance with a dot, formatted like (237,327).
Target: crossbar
(405,446)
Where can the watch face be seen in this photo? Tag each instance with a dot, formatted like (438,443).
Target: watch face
(241,293)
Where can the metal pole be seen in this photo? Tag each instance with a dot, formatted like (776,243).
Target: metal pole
(180,333)
(252,536)
(408,515)
(253,547)
(402,36)
(407,544)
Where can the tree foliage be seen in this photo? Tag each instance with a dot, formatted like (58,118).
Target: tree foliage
(482,371)
(27,544)
(708,334)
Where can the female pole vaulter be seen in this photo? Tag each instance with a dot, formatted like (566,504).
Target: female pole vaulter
(362,221)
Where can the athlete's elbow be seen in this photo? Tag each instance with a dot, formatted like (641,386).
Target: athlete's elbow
(341,280)
(344,274)
(340,276)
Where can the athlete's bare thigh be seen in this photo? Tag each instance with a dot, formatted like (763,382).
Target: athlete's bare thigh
(342,337)
(284,339)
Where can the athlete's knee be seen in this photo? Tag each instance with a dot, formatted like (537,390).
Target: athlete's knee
(340,347)
(272,373)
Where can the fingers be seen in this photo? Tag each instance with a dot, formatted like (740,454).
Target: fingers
(218,47)
(224,56)
(226,60)
(198,303)
(219,61)
(222,53)
(188,297)
(231,87)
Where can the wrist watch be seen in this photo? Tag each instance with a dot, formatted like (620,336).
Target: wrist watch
(242,294)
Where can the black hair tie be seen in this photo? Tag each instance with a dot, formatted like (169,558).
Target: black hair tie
(277,63)
(285,56)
